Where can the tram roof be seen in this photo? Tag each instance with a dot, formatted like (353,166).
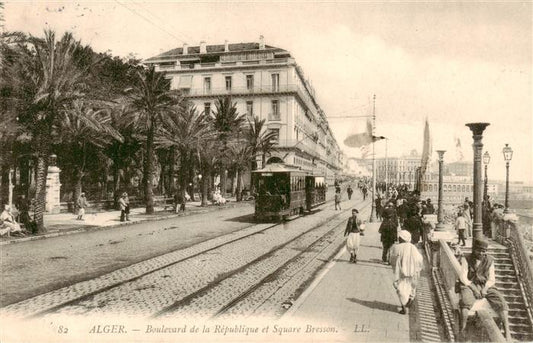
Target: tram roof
(280,168)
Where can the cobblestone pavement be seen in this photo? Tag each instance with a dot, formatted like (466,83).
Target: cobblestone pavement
(36,267)
(149,294)
(266,301)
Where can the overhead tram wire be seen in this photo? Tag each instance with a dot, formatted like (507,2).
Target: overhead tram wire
(141,6)
(148,20)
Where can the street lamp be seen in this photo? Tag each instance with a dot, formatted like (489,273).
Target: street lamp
(507,156)
(440,221)
(486,160)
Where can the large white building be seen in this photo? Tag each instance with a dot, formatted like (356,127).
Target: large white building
(263,81)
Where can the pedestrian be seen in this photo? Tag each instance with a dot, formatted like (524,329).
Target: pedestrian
(349,190)
(354,231)
(124,203)
(388,230)
(379,207)
(406,263)
(413,223)
(460,226)
(337,199)
(365,191)
(478,280)
(179,203)
(468,218)
(81,204)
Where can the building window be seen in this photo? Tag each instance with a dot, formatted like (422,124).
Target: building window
(250,82)
(207,84)
(275,138)
(250,108)
(207,108)
(228,83)
(275,110)
(275,82)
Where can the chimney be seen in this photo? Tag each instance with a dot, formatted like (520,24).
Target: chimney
(226,46)
(261,42)
(203,48)
(185,49)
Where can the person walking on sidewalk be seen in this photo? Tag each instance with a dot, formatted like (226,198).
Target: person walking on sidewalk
(81,204)
(406,263)
(349,190)
(460,226)
(124,203)
(338,199)
(388,230)
(354,231)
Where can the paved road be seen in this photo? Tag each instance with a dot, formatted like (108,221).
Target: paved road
(35,267)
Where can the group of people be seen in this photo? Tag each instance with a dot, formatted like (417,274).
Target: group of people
(404,257)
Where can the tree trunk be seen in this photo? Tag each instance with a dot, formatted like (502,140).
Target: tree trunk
(171,171)
(116,185)
(205,187)
(210,187)
(239,185)
(78,176)
(40,189)
(191,180)
(4,191)
(182,177)
(148,170)
(223,181)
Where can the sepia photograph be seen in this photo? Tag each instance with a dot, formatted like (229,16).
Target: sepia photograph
(266,171)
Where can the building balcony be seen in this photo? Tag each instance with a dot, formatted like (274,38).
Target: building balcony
(229,64)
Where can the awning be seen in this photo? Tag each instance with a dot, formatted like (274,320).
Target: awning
(185,81)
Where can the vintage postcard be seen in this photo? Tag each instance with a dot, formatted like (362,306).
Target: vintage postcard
(266,171)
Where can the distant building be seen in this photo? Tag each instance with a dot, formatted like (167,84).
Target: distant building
(264,81)
(398,170)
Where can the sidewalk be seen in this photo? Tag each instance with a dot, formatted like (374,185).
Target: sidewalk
(66,223)
(358,300)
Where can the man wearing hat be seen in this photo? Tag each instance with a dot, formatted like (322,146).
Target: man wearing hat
(480,278)
(406,264)
(124,207)
(354,229)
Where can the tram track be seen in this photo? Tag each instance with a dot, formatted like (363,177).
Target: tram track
(56,301)
(303,264)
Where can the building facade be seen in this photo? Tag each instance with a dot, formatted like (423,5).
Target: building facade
(398,170)
(265,82)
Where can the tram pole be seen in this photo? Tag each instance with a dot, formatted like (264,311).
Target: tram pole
(373,208)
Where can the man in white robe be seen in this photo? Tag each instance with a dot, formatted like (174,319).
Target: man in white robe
(406,264)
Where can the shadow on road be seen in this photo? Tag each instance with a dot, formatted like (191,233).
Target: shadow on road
(375,305)
(249,218)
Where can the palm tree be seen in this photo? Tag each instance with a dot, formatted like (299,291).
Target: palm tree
(123,152)
(83,134)
(261,141)
(152,101)
(227,122)
(41,77)
(188,131)
(208,158)
(240,155)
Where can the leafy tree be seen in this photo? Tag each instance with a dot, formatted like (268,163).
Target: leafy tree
(83,134)
(41,77)
(189,132)
(151,101)
(227,122)
(261,141)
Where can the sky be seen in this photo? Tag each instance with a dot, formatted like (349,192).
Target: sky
(451,63)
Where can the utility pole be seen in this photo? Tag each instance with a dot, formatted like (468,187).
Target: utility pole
(373,210)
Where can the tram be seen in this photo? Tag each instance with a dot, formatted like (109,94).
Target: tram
(283,191)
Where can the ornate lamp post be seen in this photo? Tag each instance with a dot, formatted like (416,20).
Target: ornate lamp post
(477,134)
(508,156)
(486,160)
(440,224)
